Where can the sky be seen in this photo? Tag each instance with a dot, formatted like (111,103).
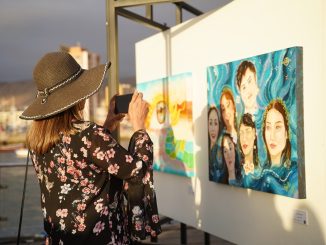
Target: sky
(31,28)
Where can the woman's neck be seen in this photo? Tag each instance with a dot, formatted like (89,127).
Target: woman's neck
(231,174)
(276,160)
(212,144)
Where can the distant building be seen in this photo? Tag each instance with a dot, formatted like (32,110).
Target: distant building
(126,88)
(87,60)
(14,98)
(10,124)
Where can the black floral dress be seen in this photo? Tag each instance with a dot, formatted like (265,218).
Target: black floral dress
(93,191)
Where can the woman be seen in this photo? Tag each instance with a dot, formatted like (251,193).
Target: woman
(248,150)
(215,168)
(232,173)
(80,167)
(213,126)
(276,134)
(228,110)
(248,143)
(280,175)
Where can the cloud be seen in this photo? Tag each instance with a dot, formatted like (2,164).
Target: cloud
(30,28)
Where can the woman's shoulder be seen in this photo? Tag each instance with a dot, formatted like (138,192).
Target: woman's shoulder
(95,131)
(87,126)
(82,125)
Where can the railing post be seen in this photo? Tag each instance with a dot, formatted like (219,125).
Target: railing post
(112,54)
(207,238)
(183,233)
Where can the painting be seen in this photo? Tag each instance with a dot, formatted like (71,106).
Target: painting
(255,123)
(169,123)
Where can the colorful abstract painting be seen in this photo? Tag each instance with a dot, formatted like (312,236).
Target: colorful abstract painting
(255,123)
(169,123)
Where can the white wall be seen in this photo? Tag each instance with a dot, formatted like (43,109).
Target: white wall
(241,29)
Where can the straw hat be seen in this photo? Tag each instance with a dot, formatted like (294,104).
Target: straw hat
(61,83)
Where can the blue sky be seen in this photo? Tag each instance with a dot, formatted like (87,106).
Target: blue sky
(30,28)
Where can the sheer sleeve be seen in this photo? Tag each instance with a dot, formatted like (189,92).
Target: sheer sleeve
(142,206)
(109,155)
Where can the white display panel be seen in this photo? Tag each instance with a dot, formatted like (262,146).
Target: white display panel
(238,30)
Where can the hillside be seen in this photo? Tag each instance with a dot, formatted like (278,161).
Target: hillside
(20,93)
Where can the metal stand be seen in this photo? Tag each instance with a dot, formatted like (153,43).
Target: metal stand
(183,233)
(207,238)
(117,7)
(3,187)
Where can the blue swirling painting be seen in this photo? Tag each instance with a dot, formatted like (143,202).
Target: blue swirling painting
(255,123)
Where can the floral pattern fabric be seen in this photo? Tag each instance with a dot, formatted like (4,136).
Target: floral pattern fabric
(93,191)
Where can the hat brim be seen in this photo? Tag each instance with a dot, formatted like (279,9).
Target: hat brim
(88,83)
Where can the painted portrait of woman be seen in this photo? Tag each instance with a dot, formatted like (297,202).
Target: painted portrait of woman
(228,111)
(276,134)
(215,167)
(280,175)
(248,151)
(213,126)
(232,172)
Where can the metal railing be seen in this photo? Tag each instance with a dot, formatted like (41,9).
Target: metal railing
(11,190)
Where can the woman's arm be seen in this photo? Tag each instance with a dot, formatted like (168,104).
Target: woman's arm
(108,154)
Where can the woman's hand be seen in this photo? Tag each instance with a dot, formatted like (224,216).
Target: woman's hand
(112,120)
(138,110)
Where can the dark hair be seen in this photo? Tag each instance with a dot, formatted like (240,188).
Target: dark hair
(279,105)
(247,121)
(228,95)
(214,108)
(225,178)
(242,68)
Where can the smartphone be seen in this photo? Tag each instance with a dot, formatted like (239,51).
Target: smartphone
(122,103)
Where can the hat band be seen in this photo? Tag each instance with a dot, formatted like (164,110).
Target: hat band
(47,91)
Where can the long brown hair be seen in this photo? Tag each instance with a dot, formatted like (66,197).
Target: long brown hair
(44,134)
(227,93)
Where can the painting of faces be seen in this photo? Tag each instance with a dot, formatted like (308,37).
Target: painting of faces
(169,123)
(255,123)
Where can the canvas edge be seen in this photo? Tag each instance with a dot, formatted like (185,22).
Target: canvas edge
(300,122)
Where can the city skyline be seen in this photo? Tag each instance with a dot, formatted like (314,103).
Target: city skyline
(31,28)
